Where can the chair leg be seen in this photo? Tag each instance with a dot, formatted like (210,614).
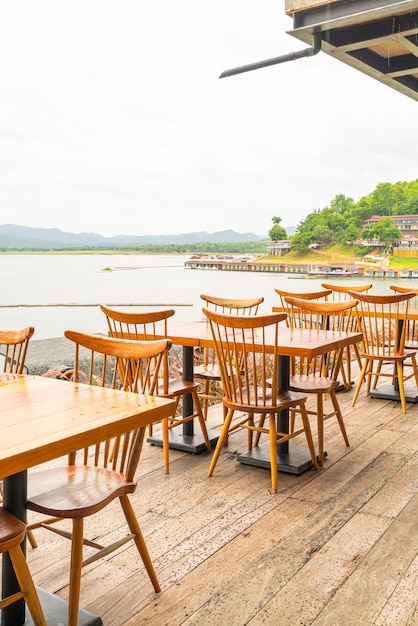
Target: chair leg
(273,451)
(221,441)
(31,538)
(201,419)
(308,434)
(26,585)
(320,422)
(378,370)
(258,433)
(166,447)
(360,381)
(139,540)
(205,399)
(399,371)
(339,415)
(75,571)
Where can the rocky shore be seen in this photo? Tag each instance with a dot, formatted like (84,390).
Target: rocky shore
(49,354)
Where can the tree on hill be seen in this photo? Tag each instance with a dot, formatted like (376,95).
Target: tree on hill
(277,232)
(341,221)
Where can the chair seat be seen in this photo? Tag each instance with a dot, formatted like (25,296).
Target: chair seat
(309,383)
(178,387)
(12,530)
(207,371)
(411,346)
(75,491)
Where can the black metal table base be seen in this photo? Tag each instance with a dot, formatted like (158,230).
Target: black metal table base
(56,612)
(296,461)
(178,440)
(388,392)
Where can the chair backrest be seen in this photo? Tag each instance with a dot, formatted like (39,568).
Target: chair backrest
(307,295)
(402,289)
(232,306)
(13,349)
(381,320)
(310,314)
(411,330)
(148,325)
(122,364)
(313,315)
(134,324)
(246,367)
(341,292)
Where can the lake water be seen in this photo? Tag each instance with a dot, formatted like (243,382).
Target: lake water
(149,282)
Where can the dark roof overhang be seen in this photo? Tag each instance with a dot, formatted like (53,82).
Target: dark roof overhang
(377,37)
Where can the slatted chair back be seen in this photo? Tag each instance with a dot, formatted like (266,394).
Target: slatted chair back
(125,364)
(341,293)
(411,330)
(308,295)
(241,340)
(148,325)
(315,315)
(380,319)
(13,349)
(151,325)
(206,368)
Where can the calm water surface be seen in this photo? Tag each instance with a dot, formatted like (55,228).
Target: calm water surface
(149,282)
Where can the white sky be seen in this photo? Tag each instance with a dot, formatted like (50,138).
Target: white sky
(113,120)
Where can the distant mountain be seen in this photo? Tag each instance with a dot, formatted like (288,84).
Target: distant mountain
(290,230)
(12,236)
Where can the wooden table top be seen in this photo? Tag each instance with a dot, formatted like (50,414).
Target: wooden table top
(291,342)
(44,418)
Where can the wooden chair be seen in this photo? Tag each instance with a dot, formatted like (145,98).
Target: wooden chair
(149,326)
(13,348)
(12,533)
(411,331)
(310,295)
(381,320)
(319,376)
(208,371)
(340,293)
(96,476)
(240,339)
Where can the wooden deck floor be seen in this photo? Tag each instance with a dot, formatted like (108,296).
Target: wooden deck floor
(333,547)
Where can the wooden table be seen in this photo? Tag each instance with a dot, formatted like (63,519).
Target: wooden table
(43,419)
(309,343)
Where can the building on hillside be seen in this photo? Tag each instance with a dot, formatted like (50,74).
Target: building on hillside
(407,224)
(278,248)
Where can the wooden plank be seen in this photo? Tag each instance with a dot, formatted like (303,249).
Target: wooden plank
(377,578)
(226,549)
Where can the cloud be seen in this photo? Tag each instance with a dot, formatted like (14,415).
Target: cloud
(112,119)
